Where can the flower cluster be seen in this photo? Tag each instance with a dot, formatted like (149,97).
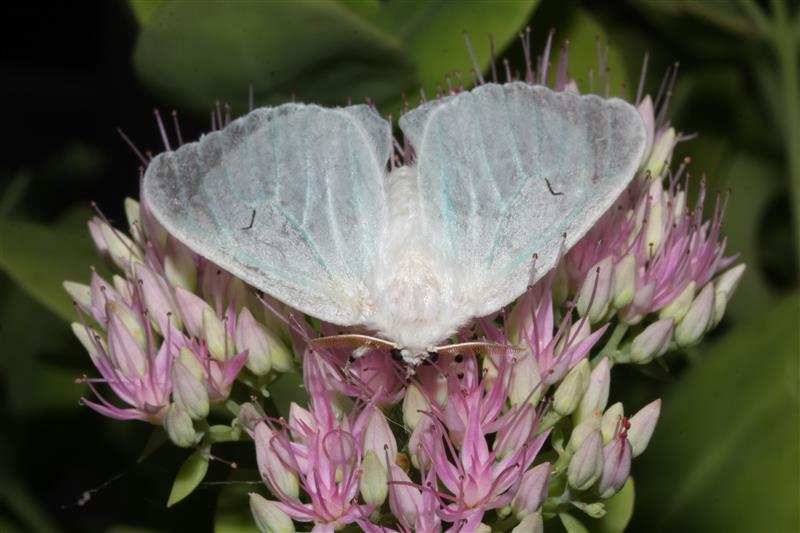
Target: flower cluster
(171,332)
(500,436)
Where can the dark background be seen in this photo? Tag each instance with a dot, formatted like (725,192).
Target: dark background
(67,81)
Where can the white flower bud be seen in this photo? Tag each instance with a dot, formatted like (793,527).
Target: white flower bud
(586,465)
(610,422)
(179,427)
(414,404)
(652,342)
(678,307)
(188,385)
(571,390)
(597,291)
(179,266)
(724,286)
(374,479)
(642,425)
(662,151)
(596,395)
(697,320)
(624,281)
(219,342)
(268,516)
(532,523)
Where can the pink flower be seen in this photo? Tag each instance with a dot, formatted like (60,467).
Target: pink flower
(475,477)
(323,451)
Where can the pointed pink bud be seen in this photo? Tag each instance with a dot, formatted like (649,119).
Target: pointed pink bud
(301,423)
(180,268)
(133,214)
(414,404)
(157,298)
(582,430)
(724,286)
(532,491)
(97,236)
(191,308)
(121,248)
(571,390)
(80,293)
(625,281)
(646,111)
(126,353)
(698,319)
(268,516)
(642,425)
(596,396)
(91,341)
(652,342)
(679,306)
(378,437)
(273,471)
(616,466)
(404,499)
(188,385)
(611,421)
(218,340)
(249,416)
(532,523)
(597,291)
(374,483)
(586,465)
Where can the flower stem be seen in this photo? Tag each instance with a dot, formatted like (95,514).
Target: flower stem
(611,346)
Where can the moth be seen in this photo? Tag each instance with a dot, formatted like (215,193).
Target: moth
(300,201)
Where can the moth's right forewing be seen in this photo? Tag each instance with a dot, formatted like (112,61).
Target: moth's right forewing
(290,199)
(506,170)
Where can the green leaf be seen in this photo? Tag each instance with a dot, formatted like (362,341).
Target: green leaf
(189,476)
(725,455)
(287,389)
(145,10)
(158,437)
(197,53)
(572,524)
(33,334)
(39,258)
(233,506)
(619,510)
(432,32)
(585,34)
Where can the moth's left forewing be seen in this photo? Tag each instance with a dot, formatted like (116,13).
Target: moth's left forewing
(506,170)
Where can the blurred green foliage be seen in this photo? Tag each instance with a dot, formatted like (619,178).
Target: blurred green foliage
(725,455)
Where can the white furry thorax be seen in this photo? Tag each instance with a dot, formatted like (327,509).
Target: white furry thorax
(416,301)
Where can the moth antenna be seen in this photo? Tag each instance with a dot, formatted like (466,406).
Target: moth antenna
(227,113)
(161,130)
(474,59)
(422,98)
(492,58)
(642,75)
(562,77)
(213,121)
(177,127)
(449,82)
(545,62)
(132,147)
